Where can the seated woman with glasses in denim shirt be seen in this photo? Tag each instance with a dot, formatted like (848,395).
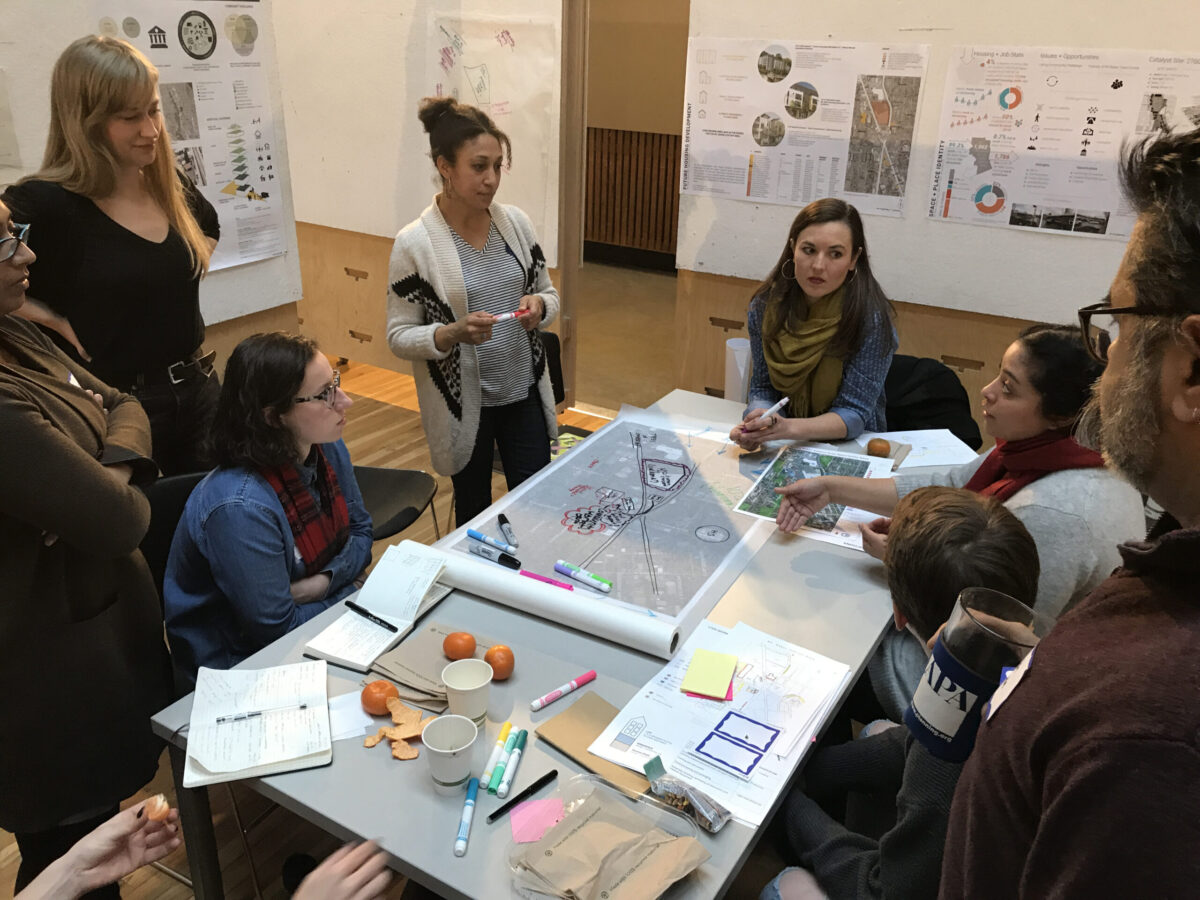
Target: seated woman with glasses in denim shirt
(278,531)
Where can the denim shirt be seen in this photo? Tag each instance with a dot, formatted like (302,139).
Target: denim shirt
(227,587)
(860,401)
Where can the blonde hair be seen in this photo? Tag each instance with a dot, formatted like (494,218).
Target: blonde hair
(94,79)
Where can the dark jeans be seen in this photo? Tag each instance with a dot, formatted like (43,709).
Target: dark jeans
(180,419)
(40,848)
(520,431)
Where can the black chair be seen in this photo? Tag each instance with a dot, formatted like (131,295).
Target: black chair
(167,497)
(395,498)
(924,393)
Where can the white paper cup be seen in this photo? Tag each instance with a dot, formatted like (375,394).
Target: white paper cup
(448,741)
(467,682)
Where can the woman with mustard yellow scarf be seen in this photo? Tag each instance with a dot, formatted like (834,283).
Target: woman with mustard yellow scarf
(821,335)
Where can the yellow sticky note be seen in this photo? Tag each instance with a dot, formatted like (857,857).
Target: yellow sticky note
(709,673)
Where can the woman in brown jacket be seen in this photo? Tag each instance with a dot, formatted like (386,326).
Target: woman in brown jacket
(82,657)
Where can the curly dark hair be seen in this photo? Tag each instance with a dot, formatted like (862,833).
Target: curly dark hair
(1060,368)
(262,379)
(1161,178)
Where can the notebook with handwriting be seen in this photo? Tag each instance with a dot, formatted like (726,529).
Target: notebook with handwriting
(247,723)
(399,591)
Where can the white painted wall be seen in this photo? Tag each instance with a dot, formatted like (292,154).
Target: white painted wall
(33,34)
(917,259)
(352,75)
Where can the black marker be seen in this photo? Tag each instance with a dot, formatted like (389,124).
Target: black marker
(524,795)
(506,530)
(493,554)
(370,616)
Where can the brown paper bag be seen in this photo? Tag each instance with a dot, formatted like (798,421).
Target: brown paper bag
(417,662)
(605,849)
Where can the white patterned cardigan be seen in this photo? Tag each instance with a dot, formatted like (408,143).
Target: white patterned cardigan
(426,291)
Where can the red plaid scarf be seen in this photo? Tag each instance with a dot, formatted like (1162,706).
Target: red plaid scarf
(320,531)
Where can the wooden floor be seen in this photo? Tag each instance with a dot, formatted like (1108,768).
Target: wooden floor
(383,428)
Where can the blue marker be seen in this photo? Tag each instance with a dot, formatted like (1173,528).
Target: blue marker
(464,826)
(491,541)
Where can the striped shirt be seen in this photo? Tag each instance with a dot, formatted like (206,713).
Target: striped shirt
(495,282)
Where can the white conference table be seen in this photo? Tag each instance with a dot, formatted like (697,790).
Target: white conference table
(831,600)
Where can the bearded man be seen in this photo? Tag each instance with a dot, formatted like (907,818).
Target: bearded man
(1085,779)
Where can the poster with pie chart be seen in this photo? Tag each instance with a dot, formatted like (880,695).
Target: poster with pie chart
(1031,138)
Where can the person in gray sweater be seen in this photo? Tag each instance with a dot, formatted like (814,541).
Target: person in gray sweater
(1075,508)
(942,540)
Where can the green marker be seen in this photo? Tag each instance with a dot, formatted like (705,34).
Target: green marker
(498,772)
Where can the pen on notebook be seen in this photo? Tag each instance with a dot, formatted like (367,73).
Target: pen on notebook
(571,685)
(498,771)
(468,813)
(524,795)
(496,751)
(510,771)
(536,577)
(506,530)
(490,541)
(370,616)
(762,420)
(583,576)
(238,717)
(494,555)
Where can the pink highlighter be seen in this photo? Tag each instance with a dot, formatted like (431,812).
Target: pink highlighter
(571,685)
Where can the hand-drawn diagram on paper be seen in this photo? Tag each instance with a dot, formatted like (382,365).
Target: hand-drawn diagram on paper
(647,508)
(509,68)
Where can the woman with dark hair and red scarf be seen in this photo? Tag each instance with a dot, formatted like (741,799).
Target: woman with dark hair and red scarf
(1075,509)
(278,531)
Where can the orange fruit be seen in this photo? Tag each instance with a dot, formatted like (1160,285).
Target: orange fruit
(375,697)
(156,808)
(500,658)
(459,645)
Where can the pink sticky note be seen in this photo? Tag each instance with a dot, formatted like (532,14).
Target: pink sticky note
(533,818)
(728,693)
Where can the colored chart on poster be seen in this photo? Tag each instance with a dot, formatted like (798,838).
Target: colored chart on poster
(989,199)
(1010,98)
(1030,137)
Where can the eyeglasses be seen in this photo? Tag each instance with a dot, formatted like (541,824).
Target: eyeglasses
(1100,326)
(328,396)
(10,245)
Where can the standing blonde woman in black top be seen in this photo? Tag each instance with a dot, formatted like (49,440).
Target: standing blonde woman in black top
(123,239)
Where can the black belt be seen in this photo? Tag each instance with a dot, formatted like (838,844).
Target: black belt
(175,373)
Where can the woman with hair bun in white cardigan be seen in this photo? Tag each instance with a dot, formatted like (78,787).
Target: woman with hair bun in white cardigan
(457,275)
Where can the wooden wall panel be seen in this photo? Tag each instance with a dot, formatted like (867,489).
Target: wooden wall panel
(633,189)
(710,309)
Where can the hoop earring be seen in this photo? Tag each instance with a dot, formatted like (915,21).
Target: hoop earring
(783,271)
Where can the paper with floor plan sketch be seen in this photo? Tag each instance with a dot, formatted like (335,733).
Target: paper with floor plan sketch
(777,684)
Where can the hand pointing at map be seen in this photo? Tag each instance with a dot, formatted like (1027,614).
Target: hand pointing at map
(801,500)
